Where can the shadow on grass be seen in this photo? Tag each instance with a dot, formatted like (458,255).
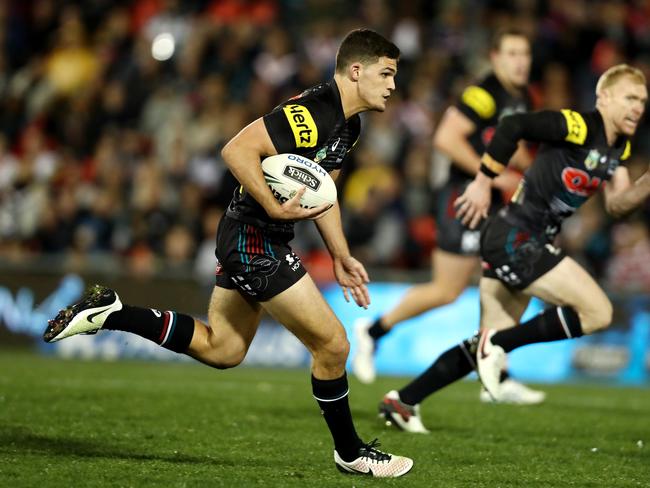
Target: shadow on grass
(20,440)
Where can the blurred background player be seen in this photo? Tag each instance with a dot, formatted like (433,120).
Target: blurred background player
(580,151)
(257,270)
(463,133)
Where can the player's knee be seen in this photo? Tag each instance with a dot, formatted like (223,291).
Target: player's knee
(336,350)
(339,348)
(597,317)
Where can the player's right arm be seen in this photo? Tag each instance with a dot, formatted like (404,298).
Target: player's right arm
(243,155)
(544,126)
(350,274)
(452,139)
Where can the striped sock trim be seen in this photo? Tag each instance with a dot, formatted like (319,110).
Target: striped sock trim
(333,399)
(565,326)
(168,327)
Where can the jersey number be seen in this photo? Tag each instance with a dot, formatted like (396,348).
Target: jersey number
(579,182)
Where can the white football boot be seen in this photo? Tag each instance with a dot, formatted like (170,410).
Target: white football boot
(85,316)
(405,417)
(515,393)
(490,361)
(373,462)
(363,361)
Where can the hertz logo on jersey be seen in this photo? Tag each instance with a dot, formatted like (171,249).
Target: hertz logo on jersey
(302,125)
(576,127)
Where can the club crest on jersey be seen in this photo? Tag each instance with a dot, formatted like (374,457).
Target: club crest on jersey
(320,155)
(302,124)
(592,159)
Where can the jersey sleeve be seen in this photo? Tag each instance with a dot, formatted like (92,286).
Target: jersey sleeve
(477,104)
(544,126)
(575,127)
(295,125)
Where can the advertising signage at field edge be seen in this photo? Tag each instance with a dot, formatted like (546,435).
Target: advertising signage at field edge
(621,353)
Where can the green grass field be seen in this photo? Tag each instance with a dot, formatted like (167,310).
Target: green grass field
(75,423)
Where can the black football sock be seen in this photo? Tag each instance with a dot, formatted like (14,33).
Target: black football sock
(553,324)
(171,330)
(376,330)
(332,397)
(451,366)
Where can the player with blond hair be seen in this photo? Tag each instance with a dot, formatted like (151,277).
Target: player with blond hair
(579,152)
(462,136)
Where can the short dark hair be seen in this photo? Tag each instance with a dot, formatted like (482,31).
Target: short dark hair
(366,46)
(497,38)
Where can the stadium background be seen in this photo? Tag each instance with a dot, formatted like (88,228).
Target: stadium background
(112,115)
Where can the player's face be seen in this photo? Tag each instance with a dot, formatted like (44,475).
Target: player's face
(512,61)
(376,83)
(625,103)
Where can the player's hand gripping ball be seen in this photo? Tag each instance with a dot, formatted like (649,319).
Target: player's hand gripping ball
(287,173)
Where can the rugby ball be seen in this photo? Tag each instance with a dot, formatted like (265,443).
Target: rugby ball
(287,173)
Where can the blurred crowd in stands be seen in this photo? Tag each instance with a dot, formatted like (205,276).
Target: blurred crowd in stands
(113,114)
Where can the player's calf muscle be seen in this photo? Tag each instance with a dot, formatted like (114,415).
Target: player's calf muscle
(597,316)
(221,353)
(426,296)
(448,294)
(219,358)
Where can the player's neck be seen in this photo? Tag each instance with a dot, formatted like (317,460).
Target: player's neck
(350,100)
(511,88)
(610,131)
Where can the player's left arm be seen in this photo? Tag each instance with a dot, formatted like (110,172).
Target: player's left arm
(350,273)
(622,196)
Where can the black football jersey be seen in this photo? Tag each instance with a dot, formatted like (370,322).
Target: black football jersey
(572,163)
(485,104)
(312,125)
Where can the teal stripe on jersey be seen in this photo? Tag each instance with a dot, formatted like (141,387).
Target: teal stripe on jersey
(269,249)
(241,245)
(239,240)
